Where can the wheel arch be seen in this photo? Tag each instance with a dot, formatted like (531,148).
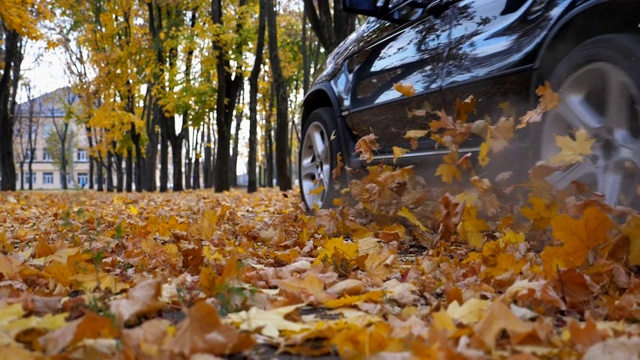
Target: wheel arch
(320,95)
(584,22)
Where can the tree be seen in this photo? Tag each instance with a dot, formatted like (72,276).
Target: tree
(29,125)
(253,101)
(330,30)
(229,81)
(282,125)
(60,140)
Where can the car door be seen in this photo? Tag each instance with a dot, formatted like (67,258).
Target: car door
(492,50)
(410,54)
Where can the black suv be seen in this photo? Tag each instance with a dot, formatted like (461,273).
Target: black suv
(495,50)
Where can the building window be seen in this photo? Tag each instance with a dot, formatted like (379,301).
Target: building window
(82,155)
(47,178)
(83,179)
(28,177)
(46,156)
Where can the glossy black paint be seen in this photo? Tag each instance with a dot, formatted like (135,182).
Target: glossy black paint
(496,50)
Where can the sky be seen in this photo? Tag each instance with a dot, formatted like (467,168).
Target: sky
(46,72)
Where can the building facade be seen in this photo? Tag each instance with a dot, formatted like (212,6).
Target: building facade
(38,119)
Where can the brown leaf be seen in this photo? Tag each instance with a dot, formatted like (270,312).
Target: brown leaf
(202,332)
(142,299)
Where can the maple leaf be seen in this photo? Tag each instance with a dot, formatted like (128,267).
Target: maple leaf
(405,89)
(335,173)
(398,152)
(203,332)
(572,151)
(497,319)
(470,312)
(365,146)
(471,228)
(549,99)
(348,300)
(407,214)
(579,236)
(142,299)
(449,169)
(540,212)
(414,135)
(631,229)
(269,322)
(464,108)
(483,156)
(310,288)
(90,326)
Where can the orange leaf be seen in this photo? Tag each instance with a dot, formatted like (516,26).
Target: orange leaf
(404,89)
(365,146)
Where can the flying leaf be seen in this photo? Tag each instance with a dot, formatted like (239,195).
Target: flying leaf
(572,151)
(407,214)
(398,152)
(631,229)
(471,228)
(549,99)
(365,146)
(464,108)
(449,169)
(414,135)
(404,89)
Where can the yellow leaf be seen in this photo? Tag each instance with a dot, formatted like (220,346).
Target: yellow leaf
(404,89)
(348,300)
(572,151)
(470,312)
(317,191)
(549,99)
(464,108)
(132,210)
(483,157)
(269,322)
(540,212)
(407,214)
(398,152)
(631,229)
(449,170)
(471,228)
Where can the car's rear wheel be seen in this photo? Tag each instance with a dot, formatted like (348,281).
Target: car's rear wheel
(599,88)
(318,159)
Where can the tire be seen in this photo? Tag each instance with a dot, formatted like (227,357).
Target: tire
(599,88)
(315,164)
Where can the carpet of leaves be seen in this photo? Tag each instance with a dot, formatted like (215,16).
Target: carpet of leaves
(399,270)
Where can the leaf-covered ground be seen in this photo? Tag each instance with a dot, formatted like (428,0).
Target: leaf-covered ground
(474,268)
(95,275)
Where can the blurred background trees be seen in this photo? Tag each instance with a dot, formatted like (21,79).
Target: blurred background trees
(198,91)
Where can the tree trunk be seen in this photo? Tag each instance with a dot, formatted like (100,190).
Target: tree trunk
(268,142)
(253,102)
(234,155)
(12,58)
(109,172)
(188,166)
(208,159)
(176,158)
(129,183)
(282,109)
(228,88)
(100,165)
(22,175)
(119,173)
(305,53)
(92,158)
(164,155)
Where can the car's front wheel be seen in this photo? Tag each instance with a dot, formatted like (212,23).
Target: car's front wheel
(599,88)
(318,159)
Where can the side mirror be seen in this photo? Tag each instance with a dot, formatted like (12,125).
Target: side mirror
(361,7)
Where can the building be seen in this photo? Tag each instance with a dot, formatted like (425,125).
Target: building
(38,117)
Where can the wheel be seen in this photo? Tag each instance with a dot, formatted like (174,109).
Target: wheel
(318,158)
(599,88)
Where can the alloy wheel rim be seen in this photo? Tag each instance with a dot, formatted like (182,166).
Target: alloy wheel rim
(604,100)
(315,165)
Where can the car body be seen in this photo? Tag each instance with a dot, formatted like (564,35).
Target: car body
(495,50)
